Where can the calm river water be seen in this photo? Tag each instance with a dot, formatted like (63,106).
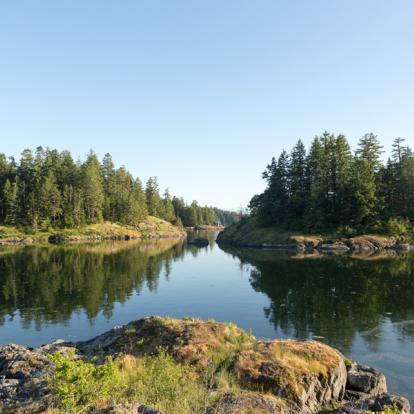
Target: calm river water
(363,306)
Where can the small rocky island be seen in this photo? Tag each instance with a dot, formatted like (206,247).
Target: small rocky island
(234,373)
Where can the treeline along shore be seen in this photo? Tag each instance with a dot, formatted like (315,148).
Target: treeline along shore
(328,197)
(47,193)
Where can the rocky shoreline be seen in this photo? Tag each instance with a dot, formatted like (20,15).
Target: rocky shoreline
(57,239)
(249,234)
(152,228)
(347,246)
(278,376)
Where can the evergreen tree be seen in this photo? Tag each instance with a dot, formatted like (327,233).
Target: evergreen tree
(316,183)
(108,172)
(194,216)
(10,203)
(272,205)
(154,203)
(92,189)
(168,207)
(370,150)
(398,150)
(406,188)
(297,182)
(49,200)
(364,190)
(341,173)
(137,204)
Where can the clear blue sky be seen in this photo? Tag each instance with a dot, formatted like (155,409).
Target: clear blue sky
(203,93)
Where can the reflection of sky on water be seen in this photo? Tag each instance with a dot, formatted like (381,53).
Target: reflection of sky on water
(393,353)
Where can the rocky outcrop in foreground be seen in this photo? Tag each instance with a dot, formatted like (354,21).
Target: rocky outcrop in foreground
(279,376)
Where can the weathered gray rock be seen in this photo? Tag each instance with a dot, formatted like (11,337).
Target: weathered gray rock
(24,377)
(374,405)
(366,380)
(404,247)
(117,409)
(127,409)
(287,246)
(250,402)
(333,247)
(306,373)
(143,409)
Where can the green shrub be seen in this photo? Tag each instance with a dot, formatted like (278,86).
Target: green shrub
(389,409)
(399,227)
(392,409)
(347,231)
(157,381)
(77,384)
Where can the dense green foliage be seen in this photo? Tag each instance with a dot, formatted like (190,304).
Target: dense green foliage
(329,187)
(49,189)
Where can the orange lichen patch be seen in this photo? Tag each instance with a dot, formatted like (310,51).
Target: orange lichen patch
(292,369)
(250,403)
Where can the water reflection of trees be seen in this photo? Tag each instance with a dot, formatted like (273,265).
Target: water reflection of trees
(47,284)
(333,296)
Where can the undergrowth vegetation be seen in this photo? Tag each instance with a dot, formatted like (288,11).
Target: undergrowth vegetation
(156,381)
(153,380)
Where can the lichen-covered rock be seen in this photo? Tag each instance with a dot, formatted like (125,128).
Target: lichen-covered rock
(363,244)
(376,404)
(307,373)
(250,403)
(24,377)
(23,374)
(189,341)
(366,380)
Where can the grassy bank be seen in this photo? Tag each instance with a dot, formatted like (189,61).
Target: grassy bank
(151,227)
